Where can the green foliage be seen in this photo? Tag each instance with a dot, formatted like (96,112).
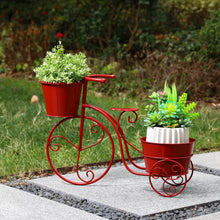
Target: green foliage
(104,28)
(116,29)
(60,67)
(2,57)
(187,111)
(182,101)
(3,65)
(22,67)
(2,52)
(153,119)
(189,12)
(165,111)
(145,74)
(182,43)
(210,36)
(142,37)
(183,40)
(171,94)
(25,127)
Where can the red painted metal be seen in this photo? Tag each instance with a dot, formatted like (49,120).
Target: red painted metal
(154,152)
(102,75)
(169,183)
(95,76)
(125,109)
(61,99)
(171,168)
(50,149)
(126,143)
(189,176)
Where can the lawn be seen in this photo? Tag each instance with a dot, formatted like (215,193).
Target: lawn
(25,128)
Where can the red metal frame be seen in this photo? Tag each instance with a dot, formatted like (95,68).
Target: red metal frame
(173,182)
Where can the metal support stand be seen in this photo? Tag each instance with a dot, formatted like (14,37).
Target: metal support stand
(172,185)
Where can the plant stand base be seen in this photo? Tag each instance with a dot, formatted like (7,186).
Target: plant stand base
(171,185)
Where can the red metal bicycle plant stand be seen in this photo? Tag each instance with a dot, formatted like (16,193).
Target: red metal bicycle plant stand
(173,180)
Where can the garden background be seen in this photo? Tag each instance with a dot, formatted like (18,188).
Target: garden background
(144,43)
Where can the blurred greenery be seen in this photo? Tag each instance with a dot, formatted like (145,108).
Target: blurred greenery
(25,128)
(102,28)
(144,42)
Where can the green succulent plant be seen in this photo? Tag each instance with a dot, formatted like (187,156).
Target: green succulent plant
(166,110)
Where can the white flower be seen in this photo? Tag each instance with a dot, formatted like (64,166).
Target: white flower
(60,67)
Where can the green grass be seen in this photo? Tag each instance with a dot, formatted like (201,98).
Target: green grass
(25,128)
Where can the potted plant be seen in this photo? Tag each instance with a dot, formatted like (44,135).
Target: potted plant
(168,121)
(61,75)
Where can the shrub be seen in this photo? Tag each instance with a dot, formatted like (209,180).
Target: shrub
(189,12)
(182,43)
(210,36)
(103,28)
(141,76)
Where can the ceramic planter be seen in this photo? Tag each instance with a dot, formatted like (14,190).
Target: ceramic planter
(167,135)
(61,99)
(154,152)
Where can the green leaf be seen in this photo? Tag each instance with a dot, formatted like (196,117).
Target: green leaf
(18,67)
(174,93)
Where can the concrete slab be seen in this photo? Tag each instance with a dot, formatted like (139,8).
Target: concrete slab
(18,205)
(210,160)
(213,216)
(122,190)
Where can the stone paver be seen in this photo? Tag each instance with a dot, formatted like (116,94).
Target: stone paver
(19,205)
(119,189)
(119,186)
(213,216)
(210,160)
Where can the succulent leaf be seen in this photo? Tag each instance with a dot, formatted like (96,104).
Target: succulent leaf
(166,111)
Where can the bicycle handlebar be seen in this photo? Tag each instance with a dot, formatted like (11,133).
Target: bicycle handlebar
(95,76)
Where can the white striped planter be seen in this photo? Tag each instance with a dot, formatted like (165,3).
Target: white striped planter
(167,135)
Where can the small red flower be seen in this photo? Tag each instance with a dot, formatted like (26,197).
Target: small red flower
(15,18)
(59,35)
(19,20)
(159,36)
(45,13)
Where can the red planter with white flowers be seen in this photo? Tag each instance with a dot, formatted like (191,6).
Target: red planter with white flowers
(62,99)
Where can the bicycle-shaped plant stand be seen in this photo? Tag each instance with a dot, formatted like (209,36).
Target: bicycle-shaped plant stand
(169,170)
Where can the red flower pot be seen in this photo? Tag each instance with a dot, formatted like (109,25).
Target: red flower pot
(61,99)
(154,152)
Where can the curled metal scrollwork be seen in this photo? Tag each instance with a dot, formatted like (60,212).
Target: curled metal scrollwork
(54,149)
(179,180)
(129,117)
(89,174)
(136,118)
(173,177)
(57,145)
(90,179)
(94,132)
